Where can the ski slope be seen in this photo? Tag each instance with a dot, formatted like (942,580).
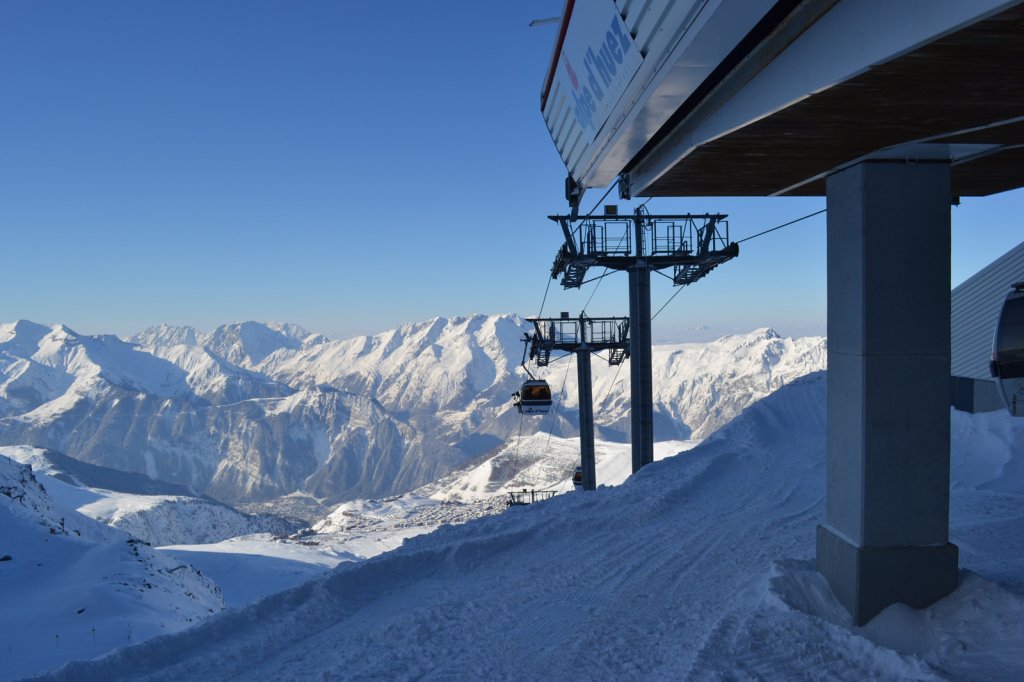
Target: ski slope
(700,566)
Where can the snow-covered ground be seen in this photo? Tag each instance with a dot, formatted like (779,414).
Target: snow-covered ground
(240,565)
(72,587)
(251,567)
(700,566)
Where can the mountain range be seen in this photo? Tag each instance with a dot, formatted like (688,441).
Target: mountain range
(252,411)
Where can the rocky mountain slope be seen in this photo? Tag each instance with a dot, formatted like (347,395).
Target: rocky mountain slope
(252,411)
(149,510)
(105,587)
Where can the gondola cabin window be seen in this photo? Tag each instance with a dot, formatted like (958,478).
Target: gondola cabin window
(534,397)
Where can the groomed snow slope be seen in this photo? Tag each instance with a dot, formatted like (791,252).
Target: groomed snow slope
(699,566)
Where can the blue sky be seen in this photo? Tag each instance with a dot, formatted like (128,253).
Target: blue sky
(348,166)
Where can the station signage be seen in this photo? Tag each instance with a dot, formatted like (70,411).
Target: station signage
(598,60)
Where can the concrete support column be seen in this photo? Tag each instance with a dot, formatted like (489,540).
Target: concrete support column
(587,459)
(886,534)
(640,380)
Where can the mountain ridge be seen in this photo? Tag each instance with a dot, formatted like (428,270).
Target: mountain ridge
(251,411)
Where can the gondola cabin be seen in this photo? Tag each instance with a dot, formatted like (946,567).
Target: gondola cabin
(534,397)
(1008,351)
(577,478)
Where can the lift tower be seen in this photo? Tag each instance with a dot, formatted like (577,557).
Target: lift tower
(582,336)
(692,245)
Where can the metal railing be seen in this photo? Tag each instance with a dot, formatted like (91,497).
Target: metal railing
(525,496)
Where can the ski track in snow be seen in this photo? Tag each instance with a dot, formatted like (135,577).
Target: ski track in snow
(698,567)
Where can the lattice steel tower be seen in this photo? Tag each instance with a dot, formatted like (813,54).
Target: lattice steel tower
(582,336)
(692,245)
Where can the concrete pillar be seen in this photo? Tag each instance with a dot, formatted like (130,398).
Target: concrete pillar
(886,532)
(587,458)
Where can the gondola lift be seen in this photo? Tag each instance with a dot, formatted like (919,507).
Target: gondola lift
(1008,351)
(577,478)
(533,398)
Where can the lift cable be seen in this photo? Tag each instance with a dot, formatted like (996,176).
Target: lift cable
(591,298)
(594,279)
(519,442)
(745,239)
(558,405)
(606,271)
(666,303)
(545,299)
(608,391)
(603,197)
(779,227)
(598,279)
(551,426)
(591,213)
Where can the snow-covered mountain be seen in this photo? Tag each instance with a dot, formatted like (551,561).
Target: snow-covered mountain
(152,511)
(251,412)
(700,387)
(184,414)
(175,538)
(71,584)
(463,370)
(699,567)
(245,344)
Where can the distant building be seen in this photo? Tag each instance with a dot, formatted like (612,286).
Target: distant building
(976,305)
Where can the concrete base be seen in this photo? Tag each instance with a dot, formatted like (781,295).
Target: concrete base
(868,579)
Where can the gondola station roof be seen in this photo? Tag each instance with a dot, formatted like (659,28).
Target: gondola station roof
(758,98)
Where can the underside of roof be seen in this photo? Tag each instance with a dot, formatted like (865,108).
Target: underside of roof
(963,88)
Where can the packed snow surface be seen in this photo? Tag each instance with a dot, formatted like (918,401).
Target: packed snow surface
(700,566)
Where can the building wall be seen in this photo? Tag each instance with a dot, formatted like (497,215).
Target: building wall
(975,312)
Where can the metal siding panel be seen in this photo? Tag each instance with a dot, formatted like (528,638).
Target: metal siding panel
(976,304)
(554,105)
(653,21)
(563,127)
(556,122)
(657,26)
(571,135)
(575,152)
(681,42)
(628,8)
(565,124)
(633,14)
